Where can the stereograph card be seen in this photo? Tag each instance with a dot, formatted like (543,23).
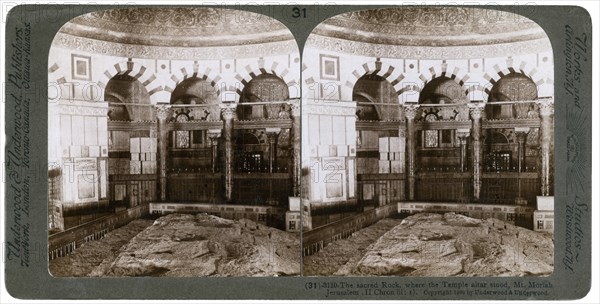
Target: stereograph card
(371,152)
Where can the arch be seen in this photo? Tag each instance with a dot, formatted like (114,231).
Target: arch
(263,88)
(511,87)
(511,65)
(262,66)
(128,99)
(373,101)
(444,70)
(192,70)
(136,71)
(386,71)
(443,90)
(195,90)
(496,137)
(379,94)
(247,138)
(116,111)
(182,137)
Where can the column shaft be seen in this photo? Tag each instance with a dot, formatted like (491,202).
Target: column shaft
(463,152)
(546,111)
(410,112)
(162,114)
(213,136)
(228,112)
(295,109)
(272,136)
(476,110)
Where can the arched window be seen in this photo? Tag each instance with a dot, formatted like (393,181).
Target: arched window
(263,88)
(249,156)
(499,156)
(513,87)
(376,98)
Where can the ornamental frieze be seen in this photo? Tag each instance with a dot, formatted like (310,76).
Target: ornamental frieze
(328,109)
(183,17)
(83,110)
(323,43)
(175,53)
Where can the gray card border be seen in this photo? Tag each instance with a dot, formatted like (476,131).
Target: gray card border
(573,130)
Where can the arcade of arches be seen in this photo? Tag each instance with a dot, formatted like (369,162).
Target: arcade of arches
(182,116)
(415,115)
(397,108)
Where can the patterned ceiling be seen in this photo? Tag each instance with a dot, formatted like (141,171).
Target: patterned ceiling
(178,27)
(431,26)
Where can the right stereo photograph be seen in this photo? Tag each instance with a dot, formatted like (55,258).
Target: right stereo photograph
(428,139)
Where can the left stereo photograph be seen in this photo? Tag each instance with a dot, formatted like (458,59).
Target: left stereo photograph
(174,144)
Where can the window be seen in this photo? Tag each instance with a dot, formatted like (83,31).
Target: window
(182,138)
(499,161)
(432,137)
(511,217)
(252,162)
(292,225)
(198,137)
(540,224)
(446,136)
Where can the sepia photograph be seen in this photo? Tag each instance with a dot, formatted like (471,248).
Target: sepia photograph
(299,151)
(174,145)
(428,144)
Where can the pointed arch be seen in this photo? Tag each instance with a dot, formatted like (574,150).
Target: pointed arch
(445,70)
(193,70)
(263,66)
(386,71)
(136,71)
(544,83)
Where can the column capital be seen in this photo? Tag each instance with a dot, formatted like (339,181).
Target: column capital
(228,110)
(521,137)
(294,107)
(463,134)
(410,111)
(163,111)
(272,130)
(522,132)
(213,133)
(546,106)
(476,109)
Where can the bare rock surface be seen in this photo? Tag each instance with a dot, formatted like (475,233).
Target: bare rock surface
(183,245)
(452,245)
(91,254)
(345,251)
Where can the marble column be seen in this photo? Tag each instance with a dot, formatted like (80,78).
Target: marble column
(227,113)
(410,112)
(272,134)
(213,136)
(476,110)
(463,137)
(295,111)
(163,112)
(546,107)
(521,134)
